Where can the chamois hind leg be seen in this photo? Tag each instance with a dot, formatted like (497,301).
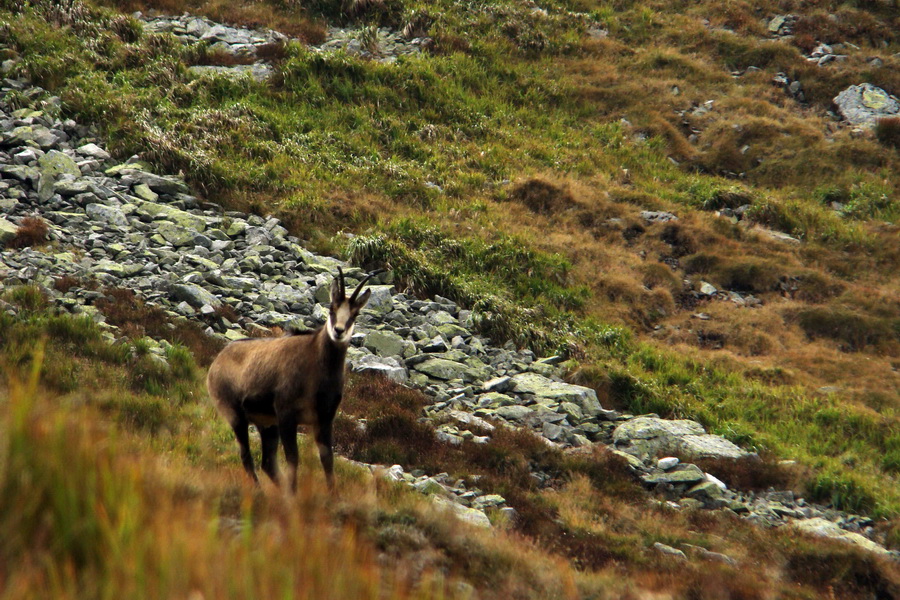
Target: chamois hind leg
(269,437)
(326,454)
(241,426)
(287,430)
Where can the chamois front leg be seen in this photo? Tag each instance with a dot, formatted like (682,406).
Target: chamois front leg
(287,430)
(241,427)
(326,454)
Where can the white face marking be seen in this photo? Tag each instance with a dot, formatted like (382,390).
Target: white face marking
(341,317)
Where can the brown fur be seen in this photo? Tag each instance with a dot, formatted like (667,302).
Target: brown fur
(278,384)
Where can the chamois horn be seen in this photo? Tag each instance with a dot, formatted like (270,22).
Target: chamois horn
(341,283)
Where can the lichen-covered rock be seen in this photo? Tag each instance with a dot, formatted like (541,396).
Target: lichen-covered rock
(194,295)
(440,368)
(387,366)
(649,436)
(106,214)
(864,104)
(678,475)
(825,528)
(7,231)
(544,388)
(472,516)
(387,343)
(150,211)
(52,165)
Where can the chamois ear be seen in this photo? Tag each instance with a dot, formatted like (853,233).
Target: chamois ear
(363,298)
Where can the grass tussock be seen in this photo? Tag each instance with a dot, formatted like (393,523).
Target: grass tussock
(32,231)
(887,131)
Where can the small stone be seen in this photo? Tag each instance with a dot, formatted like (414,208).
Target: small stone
(707,289)
(94,151)
(656,216)
(497,384)
(667,463)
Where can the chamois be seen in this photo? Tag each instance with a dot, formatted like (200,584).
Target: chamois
(280,383)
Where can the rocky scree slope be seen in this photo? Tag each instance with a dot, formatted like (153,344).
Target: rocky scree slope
(123,226)
(379,44)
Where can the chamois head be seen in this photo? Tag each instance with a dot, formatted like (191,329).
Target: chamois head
(344,310)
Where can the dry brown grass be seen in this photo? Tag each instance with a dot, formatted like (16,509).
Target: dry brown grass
(32,231)
(887,131)
(542,196)
(125,310)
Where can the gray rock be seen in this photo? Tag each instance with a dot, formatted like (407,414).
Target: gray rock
(469,419)
(864,104)
(7,231)
(706,492)
(150,211)
(497,384)
(669,551)
(381,301)
(194,295)
(709,446)
(387,366)
(440,368)
(542,387)
(711,556)
(158,183)
(94,151)
(514,413)
(471,516)
(825,528)
(386,343)
(657,216)
(649,436)
(52,165)
(707,289)
(109,215)
(667,463)
(20,172)
(175,235)
(680,474)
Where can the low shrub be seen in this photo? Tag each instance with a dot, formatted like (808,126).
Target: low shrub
(749,473)
(887,131)
(840,491)
(541,196)
(32,231)
(855,331)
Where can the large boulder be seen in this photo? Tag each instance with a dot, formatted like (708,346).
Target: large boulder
(109,215)
(864,104)
(387,366)
(648,436)
(150,211)
(440,368)
(825,528)
(387,343)
(554,391)
(194,295)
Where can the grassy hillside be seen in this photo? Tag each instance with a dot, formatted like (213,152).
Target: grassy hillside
(505,169)
(118,479)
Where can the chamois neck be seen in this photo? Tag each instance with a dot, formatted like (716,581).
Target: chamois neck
(331,350)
